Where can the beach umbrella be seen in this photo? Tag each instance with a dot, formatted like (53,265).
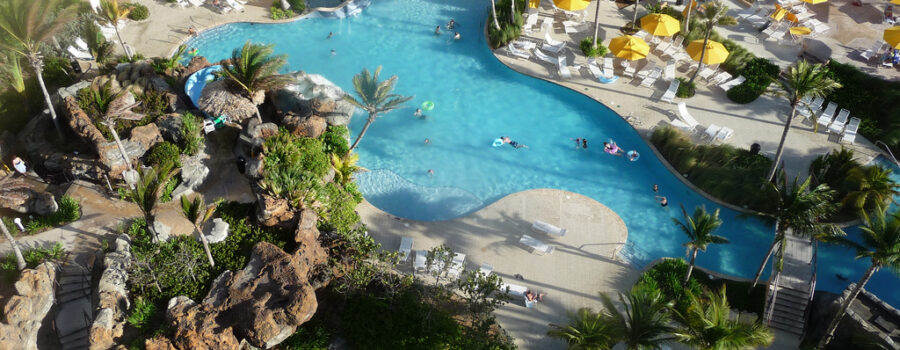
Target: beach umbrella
(814,1)
(217,100)
(895,2)
(793,18)
(800,31)
(892,36)
(660,24)
(778,14)
(629,47)
(572,5)
(715,52)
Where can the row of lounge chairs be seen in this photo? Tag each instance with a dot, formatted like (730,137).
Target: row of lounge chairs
(228,5)
(687,123)
(836,125)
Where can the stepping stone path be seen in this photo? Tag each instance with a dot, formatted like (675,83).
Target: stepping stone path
(73,321)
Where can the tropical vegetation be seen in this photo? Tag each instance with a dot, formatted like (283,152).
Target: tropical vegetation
(869,98)
(375,97)
(699,228)
(253,71)
(506,21)
(707,325)
(112,13)
(32,257)
(711,14)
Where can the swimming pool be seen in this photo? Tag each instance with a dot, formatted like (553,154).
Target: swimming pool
(477,99)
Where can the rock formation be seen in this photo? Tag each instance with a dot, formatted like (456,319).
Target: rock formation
(18,196)
(81,124)
(312,94)
(113,295)
(25,311)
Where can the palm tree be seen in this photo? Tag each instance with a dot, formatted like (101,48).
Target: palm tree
(687,17)
(596,22)
(11,71)
(586,330)
(111,13)
(874,189)
(253,71)
(804,80)
(800,210)
(112,107)
(26,24)
(633,23)
(494,15)
(512,15)
(198,214)
(20,261)
(881,244)
(644,320)
(699,228)
(148,189)
(712,14)
(374,97)
(707,325)
(344,167)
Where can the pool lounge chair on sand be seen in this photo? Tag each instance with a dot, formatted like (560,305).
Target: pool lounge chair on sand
(530,22)
(837,126)
(563,67)
(543,227)
(553,48)
(669,95)
(872,51)
(724,134)
(514,289)
(732,83)
(670,71)
(516,52)
(592,67)
(652,77)
(544,57)
(608,70)
(825,118)
(707,72)
(405,248)
(712,130)
(79,54)
(720,78)
(81,44)
(486,269)
(646,70)
(812,108)
(536,245)
(235,5)
(420,261)
(629,69)
(551,41)
(686,116)
(850,132)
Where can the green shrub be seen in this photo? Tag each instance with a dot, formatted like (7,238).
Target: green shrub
(668,276)
(143,313)
(312,335)
(335,139)
(403,323)
(760,73)
(587,47)
(686,88)
(233,253)
(33,257)
(871,99)
(166,195)
(191,134)
(138,12)
(297,5)
(339,210)
(177,266)
(95,103)
(153,104)
(508,31)
(57,72)
(294,167)
(278,13)
(164,153)
(69,210)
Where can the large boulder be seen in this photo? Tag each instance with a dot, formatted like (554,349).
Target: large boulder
(81,124)
(146,136)
(109,324)
(309,93)
(142,139)
(312,126)
(170,128)
(193,173)
(273,211)
(18,196)
(25,311)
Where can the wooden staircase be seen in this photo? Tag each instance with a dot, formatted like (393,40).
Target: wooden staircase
(790,292)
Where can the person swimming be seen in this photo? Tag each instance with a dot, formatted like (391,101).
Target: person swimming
(427,141)
(611,148)
(418,113)
(655,188)
(437,31)
(333,52)
(577,143)
(451,24)
(430,172)
(330,34)
(515,144)
(457,36)
(584,143)
(663,201)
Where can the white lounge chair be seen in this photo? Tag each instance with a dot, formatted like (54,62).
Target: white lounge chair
(837,126)
(197,3)
(540,226)
(712,130)
(652,77)
(608,70)
(563,67)
(516,52)
(553,48)
(681,125)
(83,46)
(551,41)
(536,245)
(872,51)
(749,11)
(486,269)
(645,71)
(720,78)
(544,57)
(547,25)
(420,261)
(669,95)
(405,248)
(724,134)
(732,83)
(235,5)
(514,289)
(707,72)
(827,114)
(670,71)
(662,47)
(530,22)
(457,266)
(592,67)
(629,69)
(811,108)
(525,45)
(686,116)
(850,131)
(573,27)
(79,54)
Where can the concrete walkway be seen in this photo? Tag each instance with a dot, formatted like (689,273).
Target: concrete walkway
(583,263)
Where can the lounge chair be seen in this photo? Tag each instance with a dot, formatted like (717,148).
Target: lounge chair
(629,69)
(707,72)
(811,108)
(553,48)
(543,227)
(641,34)
(235,5)
(405,248)
(850,131)
(514,289)
(79,54)
(645,71)
(872,51)
(573,27)
(592,67)
(549,40)
(420,261)
(197,3)
(563,67)
(525,44)
(486,269)
(547,25)
(516,52)
(670,71)
(536,245)
(652,77)
(827,114)
(681,125)
(544,57)
(530,22)
(608,68)
(457,265)
(837,126)
(83,46)
(720,78)
(752,10)
(724,134)
(712,130)
(686,116)
(732,83)
(669,95)
(665,45)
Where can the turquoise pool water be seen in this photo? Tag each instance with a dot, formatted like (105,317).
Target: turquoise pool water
(477,99)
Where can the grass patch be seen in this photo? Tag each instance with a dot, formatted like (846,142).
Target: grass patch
(69,210)
(33,258)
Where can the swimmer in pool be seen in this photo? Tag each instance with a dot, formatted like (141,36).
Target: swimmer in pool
(437,31)
(330,34)
(663,201)
(584,143)
(655,188)
(418,113)
(506,139)
(633,156)
(577,143)
(451,24)
(457,36)
(333,52)
(611,148)
(430,172)
(427,141)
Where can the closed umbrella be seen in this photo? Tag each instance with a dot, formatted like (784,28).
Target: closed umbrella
(895,2)
(793,18)
(778,14)
(660,24)
(892,36)
(571,5)
(800,30)
(715,52)
(814,1)
(629,47)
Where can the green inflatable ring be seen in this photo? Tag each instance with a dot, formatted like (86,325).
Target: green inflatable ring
(427,105)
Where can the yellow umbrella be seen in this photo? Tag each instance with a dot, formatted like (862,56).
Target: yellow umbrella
(778,14)
(892,36)
(715,52)
(660,25)
(800,30)
(814,1)
(572,5)
(629,47)
(895,2)
(534,4)
(793,18)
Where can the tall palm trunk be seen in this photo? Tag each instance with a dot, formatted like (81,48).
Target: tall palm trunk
(116,27)
(634,18)
(36,64)
(112,130)
(764,263)
(512,15)
(20,261)
(258,116)
(205,245)
(690,269)
(702,55)
(687,18)
(494,12)
(829,334)
(784,134)
(596,21)
(365,128)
